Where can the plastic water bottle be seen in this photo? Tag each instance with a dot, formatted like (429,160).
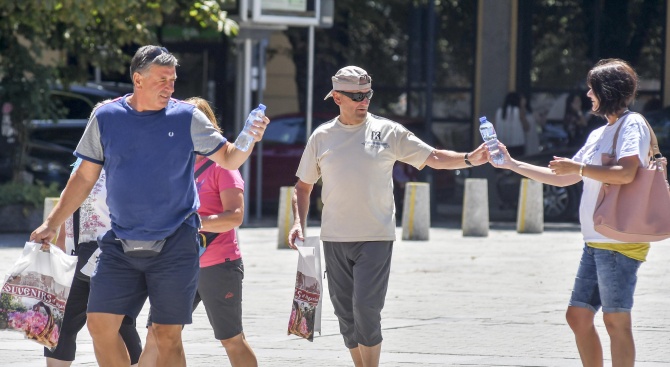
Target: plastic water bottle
(245,139)
(489,135)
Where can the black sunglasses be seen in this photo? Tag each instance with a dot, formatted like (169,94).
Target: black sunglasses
(357,97)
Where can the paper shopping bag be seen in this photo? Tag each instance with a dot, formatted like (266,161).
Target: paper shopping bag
(305,316)
(35,291)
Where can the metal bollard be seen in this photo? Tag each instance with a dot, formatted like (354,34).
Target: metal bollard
(475,221)
(530,212)
(284,217)
(416,212)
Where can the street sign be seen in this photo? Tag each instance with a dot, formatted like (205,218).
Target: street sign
(292,13)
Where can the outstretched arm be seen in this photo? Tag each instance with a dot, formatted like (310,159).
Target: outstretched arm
(541,174)
(232,158)
(449,159)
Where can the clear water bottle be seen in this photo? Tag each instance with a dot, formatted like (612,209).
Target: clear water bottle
(489,135)
(245,139)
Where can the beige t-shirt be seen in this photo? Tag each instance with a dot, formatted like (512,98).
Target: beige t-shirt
(356,165)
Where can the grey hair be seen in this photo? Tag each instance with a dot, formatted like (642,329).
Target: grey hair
(151,55)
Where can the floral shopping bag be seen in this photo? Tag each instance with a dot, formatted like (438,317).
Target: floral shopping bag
(35,291)
(305,316)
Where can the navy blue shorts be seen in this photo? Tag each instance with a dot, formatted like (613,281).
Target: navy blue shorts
(121,284)
(220,289)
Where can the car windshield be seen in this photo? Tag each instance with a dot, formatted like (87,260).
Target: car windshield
(285,131)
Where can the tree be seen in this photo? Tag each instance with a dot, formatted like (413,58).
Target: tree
(389,39)
(370,34)
(47,42)
(569,36)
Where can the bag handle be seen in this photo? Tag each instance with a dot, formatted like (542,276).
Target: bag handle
(654,152)
(76,217)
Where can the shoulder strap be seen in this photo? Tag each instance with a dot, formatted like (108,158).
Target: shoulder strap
(203,168)
(653,146)
(76,216)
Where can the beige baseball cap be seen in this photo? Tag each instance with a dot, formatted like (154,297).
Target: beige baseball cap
(350,78)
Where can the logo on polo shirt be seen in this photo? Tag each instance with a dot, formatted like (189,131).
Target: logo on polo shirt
(376,140)
(171,134)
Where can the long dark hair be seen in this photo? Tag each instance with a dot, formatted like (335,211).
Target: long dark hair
(568,103)
(614,83)
(513,99)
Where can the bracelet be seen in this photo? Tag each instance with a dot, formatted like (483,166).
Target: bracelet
(467,162)
(581,169)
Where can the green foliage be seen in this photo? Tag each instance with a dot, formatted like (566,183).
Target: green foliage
(21,193)
(44,42)
(388,39)
(569,36)
(9,302)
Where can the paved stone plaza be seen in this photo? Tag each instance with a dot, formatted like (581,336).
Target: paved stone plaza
(452,301)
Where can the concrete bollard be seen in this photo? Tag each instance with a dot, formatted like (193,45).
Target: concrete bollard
(284,217)
(476,208)
(530,212)
(49,204)
(416,212)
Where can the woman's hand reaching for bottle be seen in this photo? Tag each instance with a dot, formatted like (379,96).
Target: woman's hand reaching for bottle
(508,162)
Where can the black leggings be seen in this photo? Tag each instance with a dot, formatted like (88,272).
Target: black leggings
(75,316)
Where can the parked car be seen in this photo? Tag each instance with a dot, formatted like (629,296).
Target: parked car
(283,143)
(52,142)
(562,203)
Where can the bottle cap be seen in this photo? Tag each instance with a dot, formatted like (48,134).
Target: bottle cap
(261,107)
(482,119)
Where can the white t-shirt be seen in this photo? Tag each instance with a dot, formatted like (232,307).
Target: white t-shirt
(509,129)
(634,139)
(356,167)
(93,216)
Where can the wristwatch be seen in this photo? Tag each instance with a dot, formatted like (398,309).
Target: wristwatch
(467,161)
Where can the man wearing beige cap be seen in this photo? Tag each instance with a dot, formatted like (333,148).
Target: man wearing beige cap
(354,155)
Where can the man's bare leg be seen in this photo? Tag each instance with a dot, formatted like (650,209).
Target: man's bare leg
(170,347)
(107,343)
(366,356)
(356,357)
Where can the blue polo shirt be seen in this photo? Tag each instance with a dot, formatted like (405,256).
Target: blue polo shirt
(149,158)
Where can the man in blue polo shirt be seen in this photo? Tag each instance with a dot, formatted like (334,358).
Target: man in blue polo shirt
(147,142)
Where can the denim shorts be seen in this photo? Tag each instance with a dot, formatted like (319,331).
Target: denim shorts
(605,279)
